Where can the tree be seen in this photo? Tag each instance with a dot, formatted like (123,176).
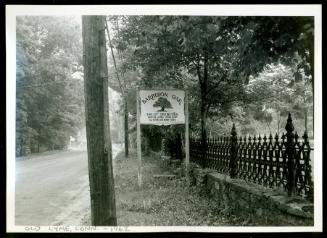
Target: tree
(48,109)
(218,54)
(102,191)
(163,103)
(285,90)
(167,47)
(125,82)
(270,39)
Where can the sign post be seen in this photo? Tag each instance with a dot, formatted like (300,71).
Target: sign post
(161,107)
(187,141)
(138,139)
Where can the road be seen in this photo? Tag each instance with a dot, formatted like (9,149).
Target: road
(53,188)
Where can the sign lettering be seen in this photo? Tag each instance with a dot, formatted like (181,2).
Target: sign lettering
(162,107)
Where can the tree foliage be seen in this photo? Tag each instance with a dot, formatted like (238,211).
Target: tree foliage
(237,69)
(248,70)
(167,48)
(49,90)
(286,39)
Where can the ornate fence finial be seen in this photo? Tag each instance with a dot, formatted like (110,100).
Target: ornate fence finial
(259,139)
(233,132)
(296,137)
(305,137)
(289,125)
(283,137)
(290,151)
(270,139)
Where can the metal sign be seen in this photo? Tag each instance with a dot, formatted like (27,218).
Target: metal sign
(162,107)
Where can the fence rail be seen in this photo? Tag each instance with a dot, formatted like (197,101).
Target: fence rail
(275,162)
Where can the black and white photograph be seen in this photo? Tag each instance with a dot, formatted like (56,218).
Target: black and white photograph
(164,118)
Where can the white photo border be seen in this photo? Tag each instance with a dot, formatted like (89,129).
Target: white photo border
(12,11)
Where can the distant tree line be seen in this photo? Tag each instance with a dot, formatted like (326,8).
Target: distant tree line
(49,85)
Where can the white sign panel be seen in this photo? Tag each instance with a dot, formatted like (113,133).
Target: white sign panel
(162,107)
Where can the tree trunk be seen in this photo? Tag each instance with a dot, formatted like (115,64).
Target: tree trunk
(146,144)
(126,139)
(311,55)
(103,208)
(278,122)
(306,120)
(305,113)
(38,141)
(204,89)
(203,117)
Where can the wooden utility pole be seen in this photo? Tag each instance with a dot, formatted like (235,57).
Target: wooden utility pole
(103,207)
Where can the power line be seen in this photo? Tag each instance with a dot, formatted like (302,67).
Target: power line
(113,57)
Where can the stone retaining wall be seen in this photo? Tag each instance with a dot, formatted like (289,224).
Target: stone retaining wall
(265,206)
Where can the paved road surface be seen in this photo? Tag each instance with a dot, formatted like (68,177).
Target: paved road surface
(53,189)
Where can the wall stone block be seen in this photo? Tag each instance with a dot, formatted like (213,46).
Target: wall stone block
(256,203)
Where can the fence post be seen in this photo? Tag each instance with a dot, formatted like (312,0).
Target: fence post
(308,169)
(233,153)
(204,148)
(291,185)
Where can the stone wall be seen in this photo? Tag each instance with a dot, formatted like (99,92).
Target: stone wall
(263,205)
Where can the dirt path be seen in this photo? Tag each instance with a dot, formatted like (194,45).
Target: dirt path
(165,202)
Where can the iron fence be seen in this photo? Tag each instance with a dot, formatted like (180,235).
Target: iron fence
(275,162)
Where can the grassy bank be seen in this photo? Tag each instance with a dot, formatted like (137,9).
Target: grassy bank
(160,202)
